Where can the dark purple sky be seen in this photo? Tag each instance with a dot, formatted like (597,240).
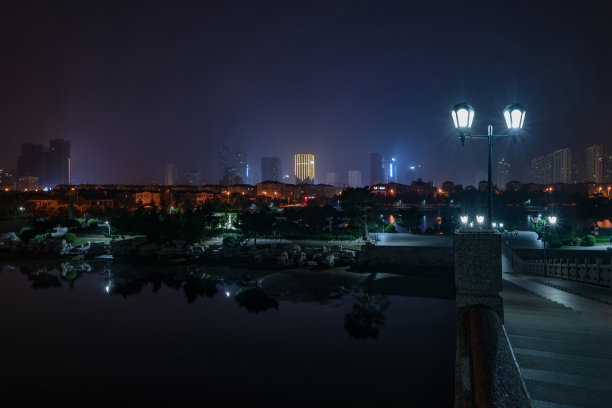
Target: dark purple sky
(137,85)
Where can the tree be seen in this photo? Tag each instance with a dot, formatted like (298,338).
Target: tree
(255,224)
(409,218)
(359,208)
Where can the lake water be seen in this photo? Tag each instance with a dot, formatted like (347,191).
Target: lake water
(115,335)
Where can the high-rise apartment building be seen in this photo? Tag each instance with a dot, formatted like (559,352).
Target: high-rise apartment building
(354,178)
(562,166)
(170,175)
(555,167)
(304,168)
(606,168)
(504,172)
(376,169)
(270,169)
(593,161)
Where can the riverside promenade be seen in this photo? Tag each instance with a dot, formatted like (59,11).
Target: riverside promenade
(562,339)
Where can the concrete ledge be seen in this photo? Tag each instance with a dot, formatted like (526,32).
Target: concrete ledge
(486,373)
(374,255)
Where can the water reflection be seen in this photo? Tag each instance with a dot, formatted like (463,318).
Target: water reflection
(367,316)
(255,291)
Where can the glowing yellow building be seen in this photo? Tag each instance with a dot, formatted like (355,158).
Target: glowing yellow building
(304,168)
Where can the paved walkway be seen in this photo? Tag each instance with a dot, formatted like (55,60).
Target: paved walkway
(562,342)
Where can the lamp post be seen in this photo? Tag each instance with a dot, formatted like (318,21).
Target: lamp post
(552,220)
(463,116)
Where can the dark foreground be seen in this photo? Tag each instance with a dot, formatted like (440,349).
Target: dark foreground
(126,336)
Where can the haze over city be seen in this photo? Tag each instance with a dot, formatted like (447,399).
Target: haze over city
(137,86)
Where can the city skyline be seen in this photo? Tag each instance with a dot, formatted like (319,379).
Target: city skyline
(173,91)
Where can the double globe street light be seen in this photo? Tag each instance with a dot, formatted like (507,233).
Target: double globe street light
(463,116)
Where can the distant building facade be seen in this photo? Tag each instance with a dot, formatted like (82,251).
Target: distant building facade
(354,179)
(333,179)
(170,175)
(57,166)
(193,178)
(30,162)
(504,172)
(270,169)
(304,168)
(376,169)
(390,170)
(593,161)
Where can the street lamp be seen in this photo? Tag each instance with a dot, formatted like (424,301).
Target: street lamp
(480,219)
(552,220)
(463,116)
(108,225)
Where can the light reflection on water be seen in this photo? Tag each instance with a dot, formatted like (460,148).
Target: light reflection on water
(141,335)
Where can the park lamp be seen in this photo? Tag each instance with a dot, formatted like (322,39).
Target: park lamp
(552,220)
(463,116)
(494,225)
(514,114)
(480,219)
(464,219)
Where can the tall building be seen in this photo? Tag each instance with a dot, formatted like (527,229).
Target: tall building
(170,175)
(354,178)
(504,172)
(414,172)
(270,169)
(304,168)
(57,166)
(333,179)
(390,170)
(542,169)
(562,166)
(30,162)
(606,168)
(593,161)
(241,165)
(223,158)
(376,169)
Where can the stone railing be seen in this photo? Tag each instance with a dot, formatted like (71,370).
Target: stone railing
(575,269)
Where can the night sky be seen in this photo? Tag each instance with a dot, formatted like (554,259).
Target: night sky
(137,85)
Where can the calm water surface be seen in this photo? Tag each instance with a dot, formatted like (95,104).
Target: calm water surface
(124,336)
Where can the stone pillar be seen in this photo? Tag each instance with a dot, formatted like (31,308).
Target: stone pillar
(478,271)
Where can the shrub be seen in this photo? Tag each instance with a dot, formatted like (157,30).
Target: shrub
(92,221)
(588,240)
(22,230)
(27,235)
(70,238)
(390,228)
(39,237)
(231,241)
(555,243)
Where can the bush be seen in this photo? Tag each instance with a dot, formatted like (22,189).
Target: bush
(429,231)
(39,237)
(390,228)
(588,240)
(22,230)
(70,238)
(92,221)
(555,243)
(27,235)
(231,241)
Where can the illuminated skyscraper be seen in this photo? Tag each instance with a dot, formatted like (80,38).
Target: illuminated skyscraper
(390,170)
(593,160)
(304,168)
